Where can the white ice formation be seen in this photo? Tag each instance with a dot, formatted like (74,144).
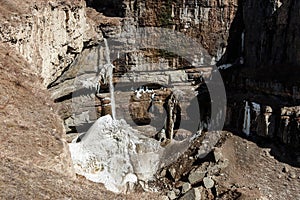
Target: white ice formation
(114,154)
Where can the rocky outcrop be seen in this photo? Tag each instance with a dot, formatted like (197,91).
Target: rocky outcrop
(210,21)
(50,35)
(196,173)
(195,19)
(60,42)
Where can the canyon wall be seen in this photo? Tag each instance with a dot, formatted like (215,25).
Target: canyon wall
(38,41)
(271,29)
(263,34)
(50,35)
(269,76)
(208,22)
(59,39)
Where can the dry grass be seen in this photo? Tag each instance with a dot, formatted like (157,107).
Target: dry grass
(34,163)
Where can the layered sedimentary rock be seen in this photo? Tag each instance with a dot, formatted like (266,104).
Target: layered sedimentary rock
(193,18)
(50,35)
(210,21)
(60,40)
(39,39)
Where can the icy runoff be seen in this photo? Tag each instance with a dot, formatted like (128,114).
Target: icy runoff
(114,154)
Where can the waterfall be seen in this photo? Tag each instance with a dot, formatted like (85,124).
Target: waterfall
(246,125)
(110,68)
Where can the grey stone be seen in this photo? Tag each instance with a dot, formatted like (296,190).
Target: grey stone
(293,175)
(196,176)
(186,187)
(208,182)
(193,194)
(163,173)
(177,191)
(208,143)
(172,195)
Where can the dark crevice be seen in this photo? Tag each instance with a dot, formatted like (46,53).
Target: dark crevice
(110,8)
(287,29)
(64,98)
(234,49)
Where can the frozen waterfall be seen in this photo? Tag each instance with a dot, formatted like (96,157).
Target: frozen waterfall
(110,67)
(247,119)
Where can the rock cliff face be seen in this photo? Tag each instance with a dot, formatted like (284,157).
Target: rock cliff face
(269,74)
(50,35)
(59,39)
(224,28)
(61,42)
(46,37)
(275,39)
(210,21)
(207,21)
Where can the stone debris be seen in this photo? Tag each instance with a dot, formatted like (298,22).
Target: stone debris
(293,175)
(193,194)
(186,187)
(172,172)
(164,198)
(285,169)
(208,144)
(196,176)
(172,195)
(208,182)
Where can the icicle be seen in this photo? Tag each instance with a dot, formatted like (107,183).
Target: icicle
(256,107)
(247,118)
(243,41)
(172,14)
(225,66)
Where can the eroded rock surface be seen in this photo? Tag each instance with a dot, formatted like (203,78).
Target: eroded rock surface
(50,35)
(116,155)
